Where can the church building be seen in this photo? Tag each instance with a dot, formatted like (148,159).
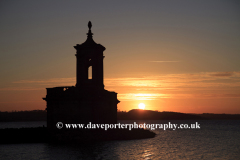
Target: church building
(88,101)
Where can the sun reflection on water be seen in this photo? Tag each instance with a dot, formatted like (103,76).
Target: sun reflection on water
(147,154)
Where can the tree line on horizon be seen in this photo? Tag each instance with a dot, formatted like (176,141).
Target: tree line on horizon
(33,115)
(134,114)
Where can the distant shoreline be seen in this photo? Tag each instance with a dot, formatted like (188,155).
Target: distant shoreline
(135,114)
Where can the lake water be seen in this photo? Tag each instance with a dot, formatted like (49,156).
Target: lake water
(214,140)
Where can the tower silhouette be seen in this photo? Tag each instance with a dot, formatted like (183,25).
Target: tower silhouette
(90,54)
(88,101)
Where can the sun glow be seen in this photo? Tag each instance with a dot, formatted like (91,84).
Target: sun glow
(141,106)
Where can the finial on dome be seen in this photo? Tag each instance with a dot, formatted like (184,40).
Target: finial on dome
(89,29)
(89,25)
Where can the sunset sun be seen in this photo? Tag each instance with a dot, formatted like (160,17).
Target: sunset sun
(141,106)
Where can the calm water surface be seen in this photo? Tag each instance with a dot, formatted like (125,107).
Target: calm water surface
(215,140)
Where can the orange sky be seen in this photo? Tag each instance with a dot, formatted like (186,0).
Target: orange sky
(212,92)
(172,56)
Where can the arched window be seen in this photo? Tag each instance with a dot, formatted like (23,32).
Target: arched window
(90,72)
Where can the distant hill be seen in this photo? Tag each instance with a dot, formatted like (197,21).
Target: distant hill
(138,114)
(220,116)
(135,114)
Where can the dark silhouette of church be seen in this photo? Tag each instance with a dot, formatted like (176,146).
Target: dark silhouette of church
(88,101)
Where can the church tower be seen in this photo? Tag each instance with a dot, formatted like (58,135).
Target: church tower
(90,60)
(88,101)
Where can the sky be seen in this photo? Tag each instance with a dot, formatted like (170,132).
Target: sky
(171,55)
